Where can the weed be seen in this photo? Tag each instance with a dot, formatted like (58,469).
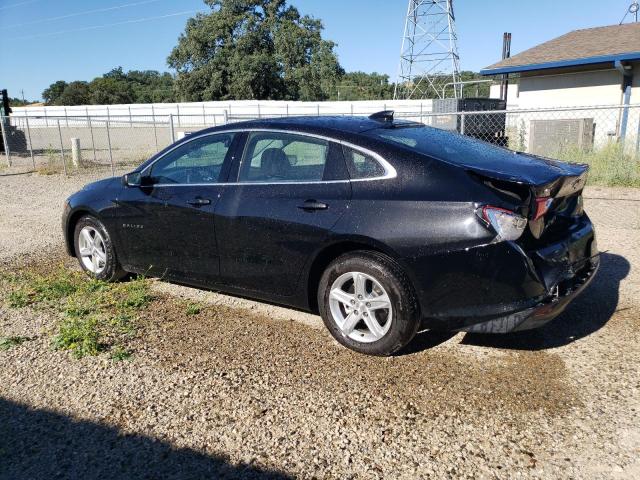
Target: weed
(8,342)
(94,315)
(53,165)
(193,309)
(80,335)
(610,166)
(119,354)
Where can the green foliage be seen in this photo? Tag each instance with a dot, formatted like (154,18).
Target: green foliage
(114,87)
(119,354)
(52,94)
(18,102)
(253,49)
(9,342)
(479,90)
(609,166)
(362,86)
(94,316)
(80,335)
(193,309)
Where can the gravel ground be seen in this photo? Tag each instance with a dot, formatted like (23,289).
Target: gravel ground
(245,390)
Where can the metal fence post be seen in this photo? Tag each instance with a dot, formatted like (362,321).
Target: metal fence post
(259,114)
(462,122)
(178,109)
(33,160)
(7,150)
(46,120)
(226,116)
(153,119)
(93,143)
(113,172)
(173,133)
(66,116)
(64,164)
(130,120)
(204,116)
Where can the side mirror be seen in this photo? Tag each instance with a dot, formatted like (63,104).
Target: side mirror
(133,179)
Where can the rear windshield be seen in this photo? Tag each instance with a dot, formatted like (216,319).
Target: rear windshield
(440,144)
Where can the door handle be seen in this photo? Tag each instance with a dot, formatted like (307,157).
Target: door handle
(309,205)
(198,202)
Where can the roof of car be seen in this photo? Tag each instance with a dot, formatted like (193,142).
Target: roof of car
(337,123)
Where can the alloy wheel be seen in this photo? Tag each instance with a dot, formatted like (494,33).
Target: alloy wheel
(360,307)
(92,250)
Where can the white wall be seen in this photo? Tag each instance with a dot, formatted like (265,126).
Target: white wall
(571,90)
(214,112)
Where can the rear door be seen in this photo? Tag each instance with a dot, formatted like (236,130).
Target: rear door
(167,225)
(291,189)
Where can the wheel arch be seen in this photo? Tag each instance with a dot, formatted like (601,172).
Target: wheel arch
(73,219)
(330,252)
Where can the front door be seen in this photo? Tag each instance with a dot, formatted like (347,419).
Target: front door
(167,225)
(284,204)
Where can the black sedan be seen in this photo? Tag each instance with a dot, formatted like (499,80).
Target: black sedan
(383,227)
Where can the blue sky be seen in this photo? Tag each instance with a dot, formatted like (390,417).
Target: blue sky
(38,47)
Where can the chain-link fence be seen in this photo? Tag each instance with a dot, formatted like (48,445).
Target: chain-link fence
(607,137)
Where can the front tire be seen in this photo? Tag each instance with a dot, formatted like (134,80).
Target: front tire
(368,304)
(94,250)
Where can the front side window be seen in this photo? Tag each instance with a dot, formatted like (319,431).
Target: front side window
(197,161)
(283,157)
(361,165)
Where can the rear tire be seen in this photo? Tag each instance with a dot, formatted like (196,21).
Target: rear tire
(368,304)
(94,250)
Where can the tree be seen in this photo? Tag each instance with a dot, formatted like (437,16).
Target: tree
(53,93)
(18,102)
(75,93)
(363,86)
(253,49)
(109,91)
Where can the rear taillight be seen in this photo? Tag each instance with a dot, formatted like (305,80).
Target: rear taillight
(506,224)
(541,207)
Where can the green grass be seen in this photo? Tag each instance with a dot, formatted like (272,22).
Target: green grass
(193,309)
(9,342)
(94,316)
(119,354)
(54,163)
(608,166)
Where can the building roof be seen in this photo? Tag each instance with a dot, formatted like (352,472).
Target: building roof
(580,47)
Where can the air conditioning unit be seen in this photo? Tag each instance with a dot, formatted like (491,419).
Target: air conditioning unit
(549,137)
(489,127)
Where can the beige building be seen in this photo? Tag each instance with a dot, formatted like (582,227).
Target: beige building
(594,66)
(591,67)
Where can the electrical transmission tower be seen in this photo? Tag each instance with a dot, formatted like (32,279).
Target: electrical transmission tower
(429,61)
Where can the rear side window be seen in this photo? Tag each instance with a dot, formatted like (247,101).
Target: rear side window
(361,165)
(283,157)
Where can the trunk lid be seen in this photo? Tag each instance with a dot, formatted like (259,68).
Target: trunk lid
(538,183)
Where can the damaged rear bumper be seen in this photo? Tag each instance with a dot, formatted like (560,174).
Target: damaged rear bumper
(508,288)
(545,310)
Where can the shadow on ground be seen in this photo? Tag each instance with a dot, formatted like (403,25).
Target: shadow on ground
(587,314)
(42,444)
